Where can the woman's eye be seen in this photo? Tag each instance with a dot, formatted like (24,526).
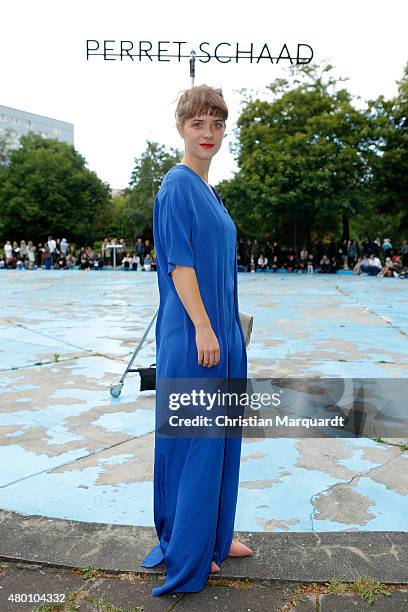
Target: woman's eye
(217,125)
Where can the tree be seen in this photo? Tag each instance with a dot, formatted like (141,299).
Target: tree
(46,188)
(6,145)
(390,164)
(145,181)
(302,158)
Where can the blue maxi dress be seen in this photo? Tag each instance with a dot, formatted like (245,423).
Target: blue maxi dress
(195,479)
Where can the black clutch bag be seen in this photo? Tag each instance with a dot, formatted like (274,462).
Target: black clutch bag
(147,378)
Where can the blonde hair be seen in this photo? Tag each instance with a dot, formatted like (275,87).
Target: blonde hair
(200,100)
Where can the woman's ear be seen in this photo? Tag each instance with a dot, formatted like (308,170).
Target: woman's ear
(180,129)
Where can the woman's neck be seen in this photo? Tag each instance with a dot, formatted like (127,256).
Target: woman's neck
(200,166)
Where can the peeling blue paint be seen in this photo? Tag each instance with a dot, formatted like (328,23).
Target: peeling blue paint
(337,326)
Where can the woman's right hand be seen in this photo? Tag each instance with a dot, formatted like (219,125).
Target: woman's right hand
(208,348)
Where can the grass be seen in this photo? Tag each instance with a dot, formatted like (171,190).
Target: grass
(365,586)
(368,589)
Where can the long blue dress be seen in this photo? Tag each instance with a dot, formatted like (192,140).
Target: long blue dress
(195,479)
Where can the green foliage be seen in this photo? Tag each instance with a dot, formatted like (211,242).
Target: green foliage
(390,168)
(310,165)
(307,159)
(45,188)
(145,181)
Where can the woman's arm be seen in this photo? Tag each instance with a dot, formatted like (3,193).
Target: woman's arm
(186,284)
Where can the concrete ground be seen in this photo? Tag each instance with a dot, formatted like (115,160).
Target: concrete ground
(71,452)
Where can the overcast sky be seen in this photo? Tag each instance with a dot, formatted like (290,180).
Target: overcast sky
(116,106)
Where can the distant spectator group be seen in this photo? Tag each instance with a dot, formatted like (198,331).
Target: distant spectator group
(58,254)
(371,258)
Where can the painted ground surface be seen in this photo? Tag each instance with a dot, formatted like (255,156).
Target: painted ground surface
(69,450)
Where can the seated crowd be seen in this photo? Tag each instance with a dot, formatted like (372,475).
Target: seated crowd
(370,258)
(374,258)
(58,254)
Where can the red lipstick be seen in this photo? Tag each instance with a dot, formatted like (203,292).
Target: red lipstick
(207,146)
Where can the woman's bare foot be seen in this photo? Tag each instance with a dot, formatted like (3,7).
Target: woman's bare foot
(214,568)
(239,550)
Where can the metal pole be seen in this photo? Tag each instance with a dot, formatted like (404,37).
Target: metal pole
(192,66)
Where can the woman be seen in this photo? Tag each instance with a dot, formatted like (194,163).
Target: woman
(198,335)
(31,255)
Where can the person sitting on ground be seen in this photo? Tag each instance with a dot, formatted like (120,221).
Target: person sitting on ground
(70,261)
(372,267)
(126,261)
(324,264)
(83,260)
(334,266)
(136,263)
(399,269)
(387,269)
(98,262)
(60,262)
(275,263)
(291,263)
(359,263)
(147,263)
(263,263)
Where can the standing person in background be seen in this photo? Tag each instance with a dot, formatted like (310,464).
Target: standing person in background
(52,246)
(140,249)
(103,250)
(148,247)
(31,255)
(40,251)
(310,268)
(376,247)
(23,250)
(108,253)
(16,250)
(387,248)
(404,253)
(121,252)
(8,251)
(47,257)
(352,253)
(64,247)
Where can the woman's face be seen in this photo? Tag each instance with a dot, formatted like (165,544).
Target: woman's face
(202,130)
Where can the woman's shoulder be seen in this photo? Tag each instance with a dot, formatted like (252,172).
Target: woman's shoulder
(176,185)
(176,180)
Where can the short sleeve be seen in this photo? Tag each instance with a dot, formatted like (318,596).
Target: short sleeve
(175,227)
